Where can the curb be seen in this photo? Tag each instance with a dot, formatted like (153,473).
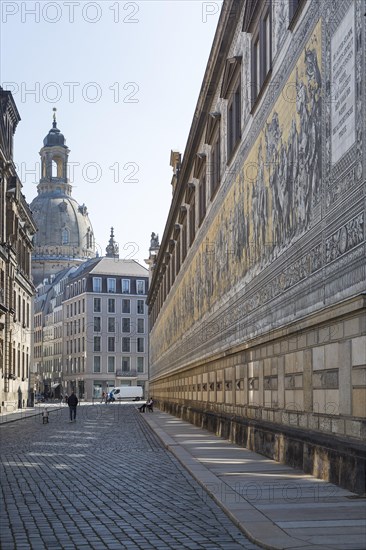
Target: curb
(192,464)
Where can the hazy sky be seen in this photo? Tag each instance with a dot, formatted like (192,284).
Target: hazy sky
(125,78)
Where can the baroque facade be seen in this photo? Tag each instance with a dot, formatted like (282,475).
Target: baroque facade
(257,297)
(65,235)
(17,228)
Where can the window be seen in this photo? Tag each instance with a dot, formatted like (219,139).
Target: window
(126,306)
(140,325)
(213,138)
(295,7)
(140,345)
(96,363)
(140,307)
(97,324)
(97,343)
(126,364)
(111,324)
(125,286)
(111,343)
(97,284)
(111,364)
(140,287)
(234,118)
(192,221)
(140,364)
(97,305)
(215,162)
(126,324)
(184,239)
(261,55)
(111,305)
(126,344)
(202,194)
(111,285)
(65,236)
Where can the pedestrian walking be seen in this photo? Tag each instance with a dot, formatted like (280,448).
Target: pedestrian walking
(72,403)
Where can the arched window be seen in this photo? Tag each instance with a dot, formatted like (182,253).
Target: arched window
(65,236)
(54,169)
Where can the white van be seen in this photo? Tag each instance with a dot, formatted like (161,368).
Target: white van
(133,393)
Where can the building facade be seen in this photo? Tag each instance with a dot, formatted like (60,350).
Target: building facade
(48,360)
(65,235)
(105,340)
(17,228)
(257,298)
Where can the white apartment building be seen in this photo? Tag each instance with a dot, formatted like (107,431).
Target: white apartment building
(105,340)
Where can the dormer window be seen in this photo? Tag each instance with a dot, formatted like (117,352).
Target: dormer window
(65,236)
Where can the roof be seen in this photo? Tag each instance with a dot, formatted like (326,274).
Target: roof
(110,266)
(116,266)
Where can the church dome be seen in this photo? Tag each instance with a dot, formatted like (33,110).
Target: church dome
(64,228)
(54,137)
(65,235)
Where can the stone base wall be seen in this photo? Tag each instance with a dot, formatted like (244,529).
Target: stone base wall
(335,459)
(297,395)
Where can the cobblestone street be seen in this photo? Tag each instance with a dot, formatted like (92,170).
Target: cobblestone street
(105,481)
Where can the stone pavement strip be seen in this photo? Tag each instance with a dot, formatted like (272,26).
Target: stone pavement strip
(105,481)
(275,505)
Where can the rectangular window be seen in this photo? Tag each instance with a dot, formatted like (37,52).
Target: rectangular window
(184,239)
(126,344)
(125,286)
(202,195)
(261,56)
(140,307)
(111,343)
(126,364)
(111,364)
(140,364)
(97,305)
(97,346)
(140,326)
(140,345)
(192,221)
(111,285)
(215,163)
(126,305)
(126,324)
(234,118)
(295,7)
(111,324)
(140,287)
(111,305)
(96,363)
(97,324)
(97,284)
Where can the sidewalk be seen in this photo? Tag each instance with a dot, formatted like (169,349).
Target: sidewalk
(19,414)
(275,505)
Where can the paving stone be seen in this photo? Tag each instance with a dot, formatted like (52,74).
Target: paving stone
(102,484)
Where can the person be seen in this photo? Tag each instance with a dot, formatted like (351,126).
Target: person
(66,398)
(45,416)
(103,397)
(149,405)
(142,407)
(72,403)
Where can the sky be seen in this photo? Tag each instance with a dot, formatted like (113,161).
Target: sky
(125,79)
